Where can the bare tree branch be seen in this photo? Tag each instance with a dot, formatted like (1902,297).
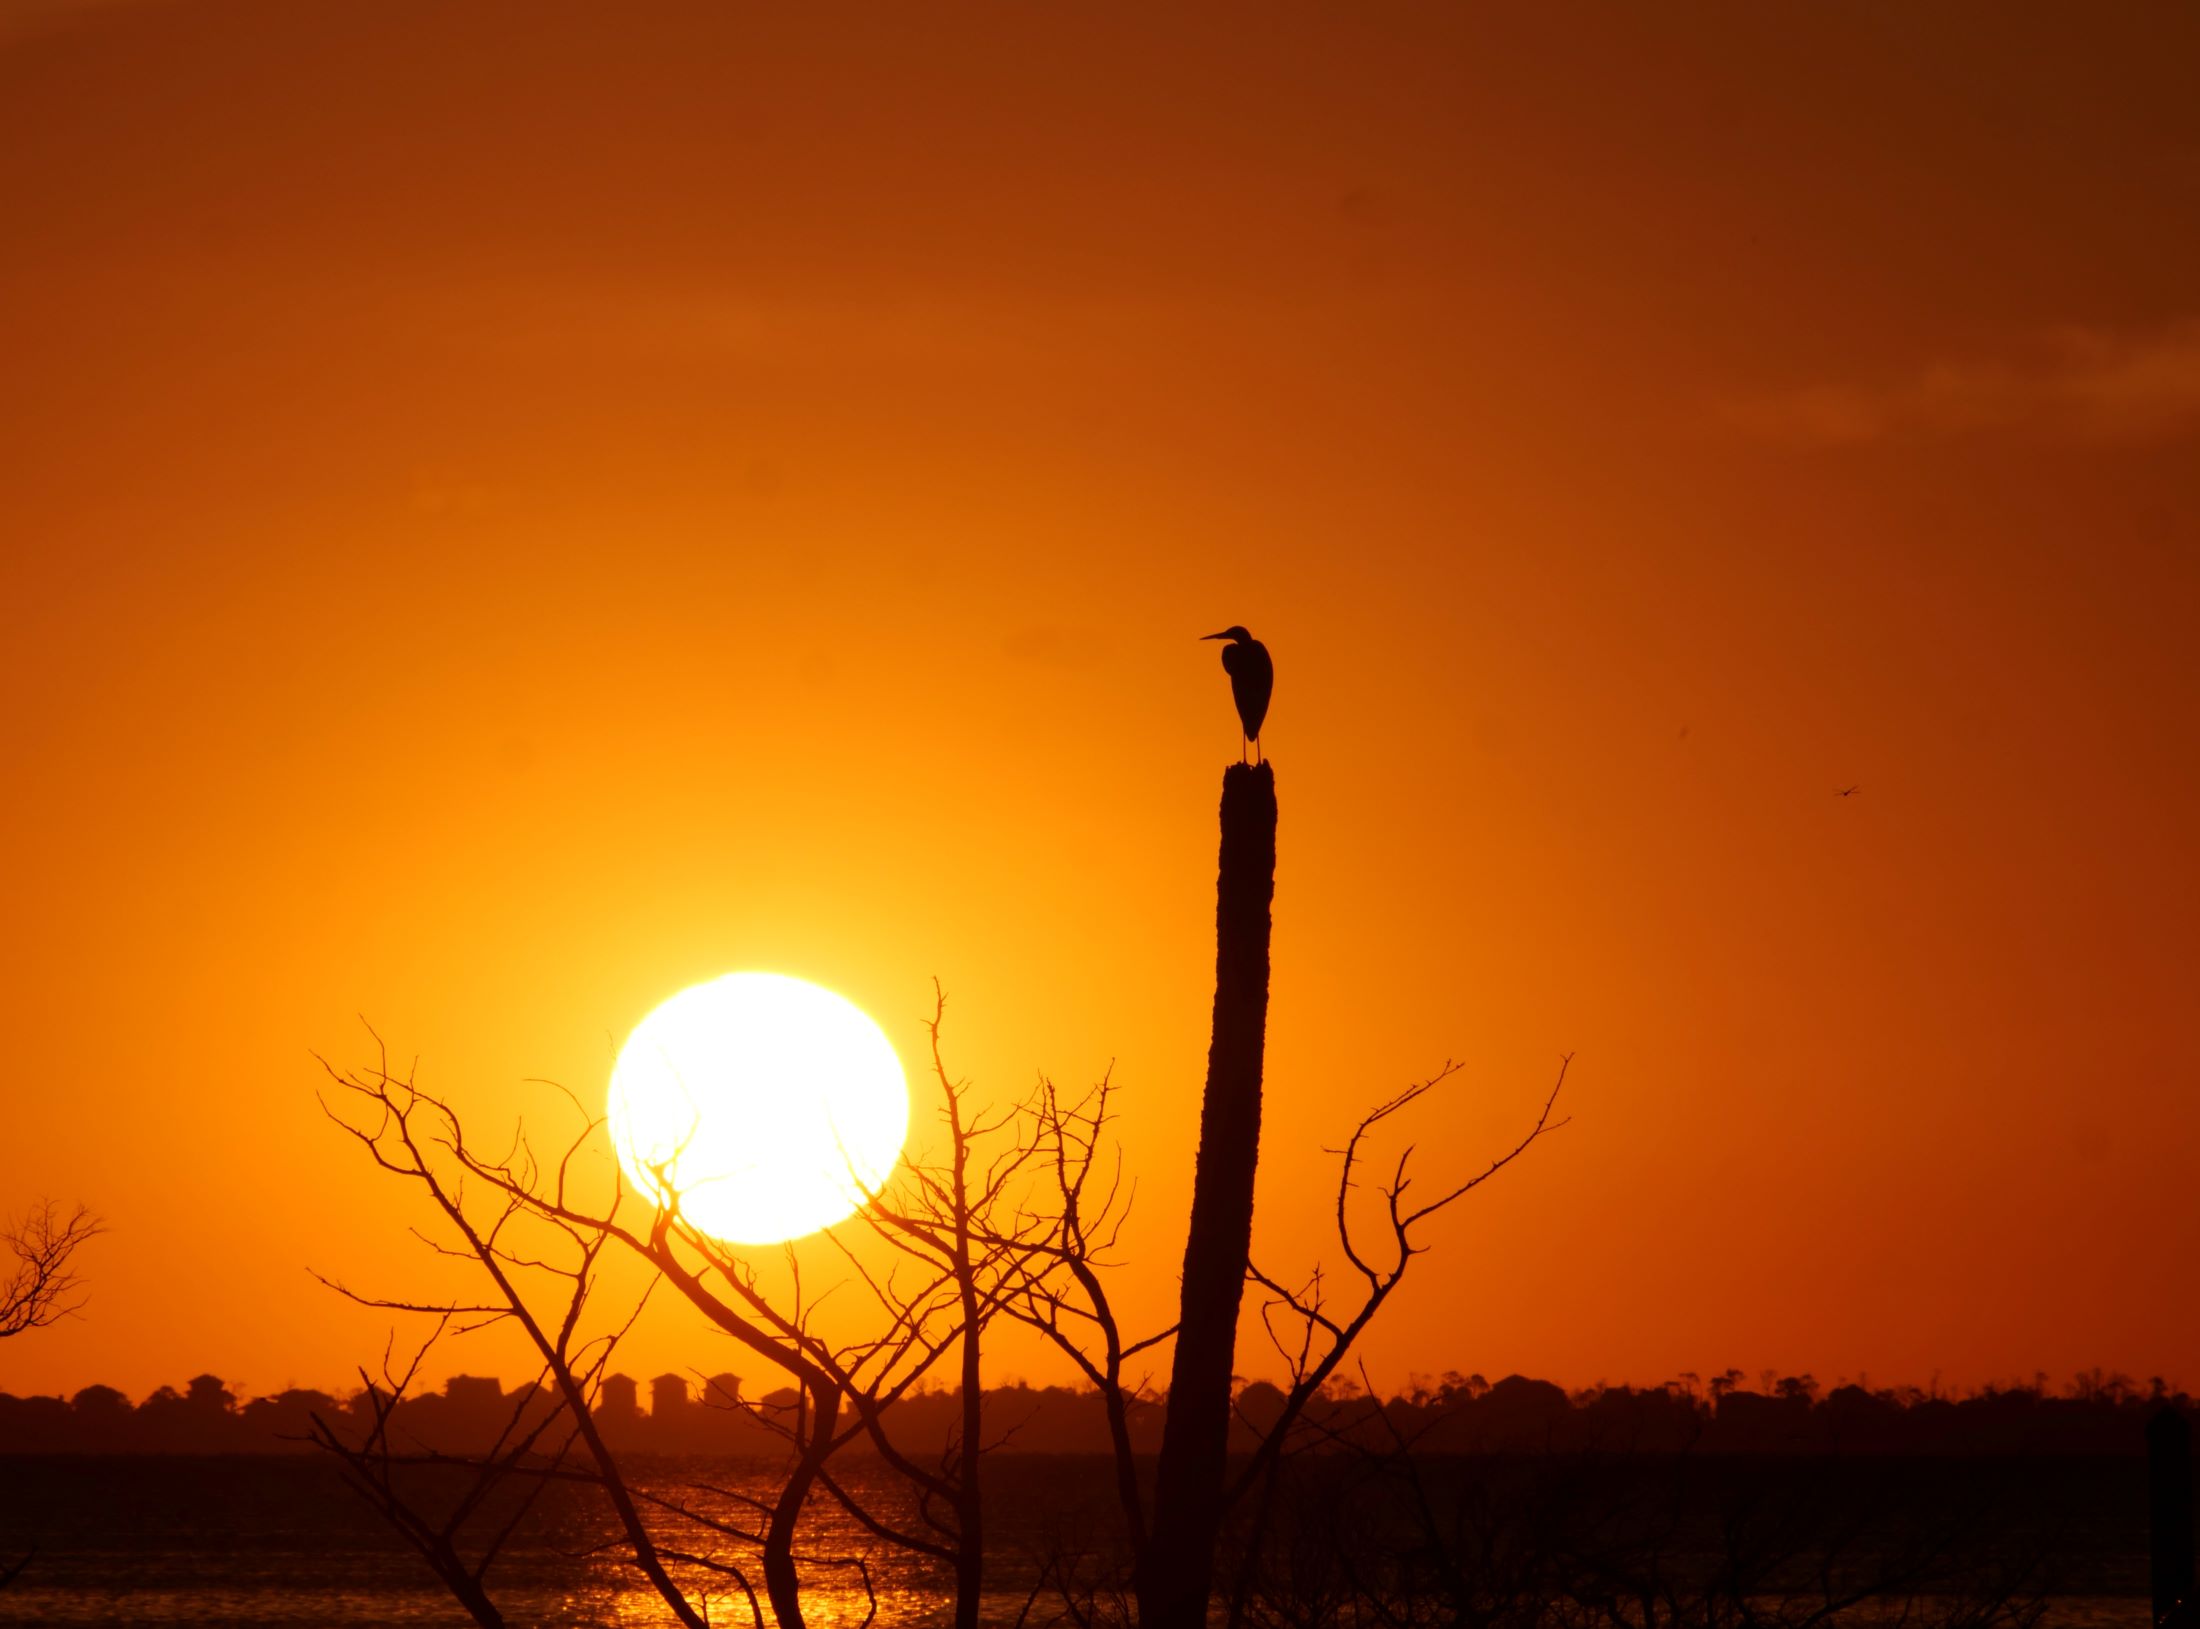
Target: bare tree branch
(43,1286)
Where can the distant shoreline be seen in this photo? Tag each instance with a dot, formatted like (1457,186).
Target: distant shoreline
(2094,1418)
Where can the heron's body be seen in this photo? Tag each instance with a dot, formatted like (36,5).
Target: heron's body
(1252,678)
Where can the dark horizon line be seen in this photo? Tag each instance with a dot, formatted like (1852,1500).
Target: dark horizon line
(2099,1414)
(2081,1385)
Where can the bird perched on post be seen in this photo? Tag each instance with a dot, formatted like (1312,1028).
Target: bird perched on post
(1252,678)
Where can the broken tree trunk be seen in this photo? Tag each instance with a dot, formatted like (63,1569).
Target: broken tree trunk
(1187,1511)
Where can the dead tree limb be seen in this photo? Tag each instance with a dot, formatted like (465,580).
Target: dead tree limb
(43,1286)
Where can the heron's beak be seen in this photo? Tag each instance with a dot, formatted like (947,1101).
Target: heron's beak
(1207,636)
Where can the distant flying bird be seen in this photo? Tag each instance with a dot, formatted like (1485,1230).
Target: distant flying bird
(1252,678)
(1848,791)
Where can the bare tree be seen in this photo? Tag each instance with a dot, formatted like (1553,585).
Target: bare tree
(412,1134)
(966,1224)
(43,1286)
(960,1244)
(1312,1336)
(495,1491)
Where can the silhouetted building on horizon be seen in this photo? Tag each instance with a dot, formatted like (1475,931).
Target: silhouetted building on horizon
(473,1391)
(619,1400)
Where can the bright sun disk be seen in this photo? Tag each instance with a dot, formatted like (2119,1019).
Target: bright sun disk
(768,1104)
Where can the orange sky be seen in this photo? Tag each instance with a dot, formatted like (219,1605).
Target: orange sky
(513,511)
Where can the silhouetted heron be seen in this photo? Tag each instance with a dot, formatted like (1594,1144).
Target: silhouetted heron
(1252,679)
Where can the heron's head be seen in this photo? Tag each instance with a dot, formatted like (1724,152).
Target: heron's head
(1236,636)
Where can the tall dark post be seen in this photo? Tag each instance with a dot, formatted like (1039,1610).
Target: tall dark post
(1187,1508)
(2169,1519)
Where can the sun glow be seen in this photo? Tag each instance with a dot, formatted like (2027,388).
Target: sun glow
(763,1105)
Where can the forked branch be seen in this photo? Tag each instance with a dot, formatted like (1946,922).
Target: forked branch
(42,1286)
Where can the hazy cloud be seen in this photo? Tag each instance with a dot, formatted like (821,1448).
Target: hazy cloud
(2076,382)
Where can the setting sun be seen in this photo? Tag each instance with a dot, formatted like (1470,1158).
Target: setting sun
(764,1104)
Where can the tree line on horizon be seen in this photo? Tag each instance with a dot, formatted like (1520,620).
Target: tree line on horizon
(2094,1413)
